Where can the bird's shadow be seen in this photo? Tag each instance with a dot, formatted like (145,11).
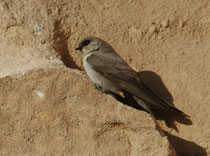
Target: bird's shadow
(156,85)
(184,147)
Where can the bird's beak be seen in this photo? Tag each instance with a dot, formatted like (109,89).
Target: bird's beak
(78,48)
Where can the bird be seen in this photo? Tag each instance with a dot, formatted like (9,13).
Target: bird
(109,72)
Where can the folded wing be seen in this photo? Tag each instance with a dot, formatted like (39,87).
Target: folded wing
(114,68)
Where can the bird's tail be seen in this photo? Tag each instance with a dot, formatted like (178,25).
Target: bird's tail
(167,106)
(148,99)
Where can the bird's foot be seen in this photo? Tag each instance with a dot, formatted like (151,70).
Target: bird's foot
(99,88)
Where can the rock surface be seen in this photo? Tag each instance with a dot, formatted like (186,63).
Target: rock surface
(57,112)
(47,108)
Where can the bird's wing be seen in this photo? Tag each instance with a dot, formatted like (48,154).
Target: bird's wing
(115,69)
(112,66)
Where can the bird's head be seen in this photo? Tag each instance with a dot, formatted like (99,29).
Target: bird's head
(90,44)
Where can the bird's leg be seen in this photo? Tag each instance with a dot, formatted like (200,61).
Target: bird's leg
(118,97)
(99,88)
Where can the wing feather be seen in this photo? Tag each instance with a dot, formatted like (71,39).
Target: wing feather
(114,68)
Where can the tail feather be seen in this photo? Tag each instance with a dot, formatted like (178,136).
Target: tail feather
(167,105)
(150,99)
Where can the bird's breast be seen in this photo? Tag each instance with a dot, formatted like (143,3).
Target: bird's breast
(97,78)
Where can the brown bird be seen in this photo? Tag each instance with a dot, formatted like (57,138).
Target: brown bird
(109,72)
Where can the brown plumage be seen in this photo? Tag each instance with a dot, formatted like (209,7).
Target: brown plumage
(109,71)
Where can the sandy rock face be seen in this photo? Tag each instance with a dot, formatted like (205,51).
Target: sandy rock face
(57,112)
(47,108)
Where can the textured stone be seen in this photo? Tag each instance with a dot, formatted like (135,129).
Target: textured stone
(58,112)
(174,62)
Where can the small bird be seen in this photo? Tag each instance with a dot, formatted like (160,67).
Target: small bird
(110,73)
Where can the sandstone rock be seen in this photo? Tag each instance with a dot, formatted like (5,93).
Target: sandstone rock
(41,36)
(58,112)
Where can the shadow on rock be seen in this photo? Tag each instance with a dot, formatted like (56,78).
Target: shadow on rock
(154,83)
(60,45)
(184,147)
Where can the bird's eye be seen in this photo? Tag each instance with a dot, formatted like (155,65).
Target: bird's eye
(86,42)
